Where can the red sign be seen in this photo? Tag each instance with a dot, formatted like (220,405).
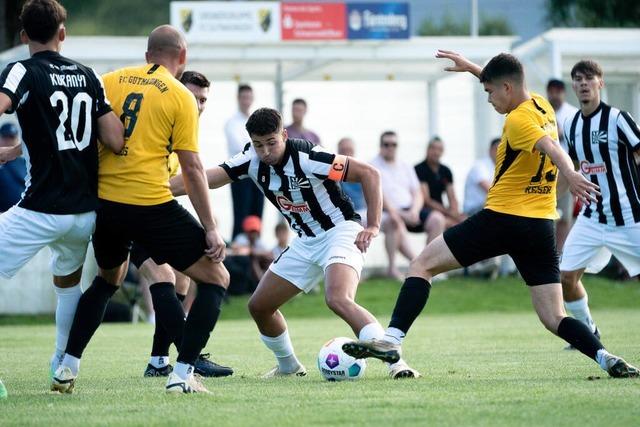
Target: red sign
(313,21)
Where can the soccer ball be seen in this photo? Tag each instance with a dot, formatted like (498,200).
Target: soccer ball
(335,365)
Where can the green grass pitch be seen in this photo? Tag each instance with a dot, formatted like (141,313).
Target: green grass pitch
(485,358)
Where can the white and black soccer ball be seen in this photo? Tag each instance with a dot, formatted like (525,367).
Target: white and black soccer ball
(335,365)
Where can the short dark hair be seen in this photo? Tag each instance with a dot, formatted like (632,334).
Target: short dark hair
(281,226)
(502,66)
(244,87)
(588,67)
(299,101)
(41,19)
(555,84)
(434,138)
(195,78)
(387,133)
(264,121)
(495,141)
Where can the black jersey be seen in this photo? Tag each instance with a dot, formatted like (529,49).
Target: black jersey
(58,102)
(304,187)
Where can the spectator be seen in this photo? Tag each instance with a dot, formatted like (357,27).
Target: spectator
(556,93)
(479,180)
(12,174)
(346,147)
(436,179)
(248,243)
(297,129)
(282,236)
(403,204)
(247,198)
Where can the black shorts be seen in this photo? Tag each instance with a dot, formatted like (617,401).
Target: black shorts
(167,232)
(531,242)
(138,255)
(419,228)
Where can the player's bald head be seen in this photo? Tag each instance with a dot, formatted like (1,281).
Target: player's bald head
(165,40)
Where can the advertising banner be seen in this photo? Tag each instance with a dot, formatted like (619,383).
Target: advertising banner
(216,21)
(313,21)
(378,20)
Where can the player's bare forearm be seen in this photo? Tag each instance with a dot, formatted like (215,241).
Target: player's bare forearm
(558,156)
(196,187)
(369,178)
(217,177)
(5,103)
(111,132)
(177,186)
(460,63)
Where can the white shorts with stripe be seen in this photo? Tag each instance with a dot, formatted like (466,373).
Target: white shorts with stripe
(590,245)
(304,262)
(24,232)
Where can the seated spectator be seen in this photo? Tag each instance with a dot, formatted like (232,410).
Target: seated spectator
(248,243)
(297,129)
(346,147)
(436,179)
(403,203)
(479,180)
(12,174)
(282,236)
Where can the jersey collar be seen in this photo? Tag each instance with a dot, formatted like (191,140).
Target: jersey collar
(596,111)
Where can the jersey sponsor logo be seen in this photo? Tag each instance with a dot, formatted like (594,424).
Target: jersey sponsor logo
(288,205)
(592,168)
(538,189)
(599,137)
(297,183)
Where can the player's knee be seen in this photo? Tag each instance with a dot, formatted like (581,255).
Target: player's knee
(569,280)
(257,309)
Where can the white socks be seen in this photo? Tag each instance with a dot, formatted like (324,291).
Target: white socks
(580,311)
(159,361)
(72,363)
(602,357)
(283,350)
(183,370)
(394,335)
(65,310)
(371,331)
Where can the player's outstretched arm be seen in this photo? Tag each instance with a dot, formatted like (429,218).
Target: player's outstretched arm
(369,177)
(196,187)
(111,132)
(579,186)
(460,63)
(216,177)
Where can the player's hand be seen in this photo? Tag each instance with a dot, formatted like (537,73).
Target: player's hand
(461,64)
(364,238)
(216,248)
(585,190)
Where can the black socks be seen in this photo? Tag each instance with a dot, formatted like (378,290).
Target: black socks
(411,300)
(201,321)
(89,315)
(170,318)
(580,336)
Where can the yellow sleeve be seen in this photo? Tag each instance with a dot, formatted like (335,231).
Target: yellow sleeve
(523,131)
(185,129)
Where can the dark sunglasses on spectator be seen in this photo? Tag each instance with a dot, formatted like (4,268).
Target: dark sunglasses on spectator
(389,144)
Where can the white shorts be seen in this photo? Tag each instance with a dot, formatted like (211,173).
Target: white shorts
(304,262)
(24,232)
(590,245)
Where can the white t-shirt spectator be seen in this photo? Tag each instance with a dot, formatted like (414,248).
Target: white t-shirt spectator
(564,113)
(399,182)
(474,195)
(236,133)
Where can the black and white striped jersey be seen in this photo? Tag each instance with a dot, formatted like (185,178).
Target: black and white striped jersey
(304,187)
(603,144)
(58,102)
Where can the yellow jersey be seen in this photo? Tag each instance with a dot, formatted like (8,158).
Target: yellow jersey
(524,181)
(159,115)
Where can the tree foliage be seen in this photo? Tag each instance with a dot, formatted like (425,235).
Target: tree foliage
(450,26)
(590,13)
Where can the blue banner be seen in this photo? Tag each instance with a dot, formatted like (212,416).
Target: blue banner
(378,20)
